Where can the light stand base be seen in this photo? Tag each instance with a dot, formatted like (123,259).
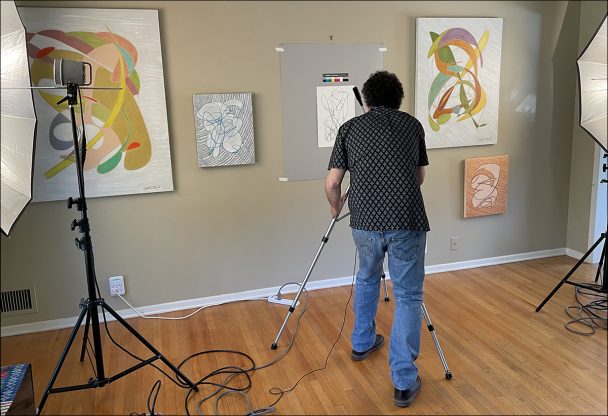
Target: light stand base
(603,288)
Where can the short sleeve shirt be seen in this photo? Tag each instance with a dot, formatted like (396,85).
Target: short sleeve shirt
(382,149)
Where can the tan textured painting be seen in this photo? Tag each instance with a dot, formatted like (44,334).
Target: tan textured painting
(486,186)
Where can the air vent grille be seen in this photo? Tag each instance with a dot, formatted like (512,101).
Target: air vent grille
(19,301)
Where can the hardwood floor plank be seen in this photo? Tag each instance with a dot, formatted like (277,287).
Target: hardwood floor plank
(505,357)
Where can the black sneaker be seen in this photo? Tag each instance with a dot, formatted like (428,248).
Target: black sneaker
(404,398)
(358,356)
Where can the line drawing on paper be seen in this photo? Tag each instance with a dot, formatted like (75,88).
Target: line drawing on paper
(335,106)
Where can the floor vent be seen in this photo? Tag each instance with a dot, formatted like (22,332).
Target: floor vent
(19,301)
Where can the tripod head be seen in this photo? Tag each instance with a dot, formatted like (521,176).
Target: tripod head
(71,97)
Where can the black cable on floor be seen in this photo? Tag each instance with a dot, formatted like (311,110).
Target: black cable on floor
(590,313)
(234,371)
(281,392)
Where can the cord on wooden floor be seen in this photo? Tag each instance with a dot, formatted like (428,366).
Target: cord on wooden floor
(589,316)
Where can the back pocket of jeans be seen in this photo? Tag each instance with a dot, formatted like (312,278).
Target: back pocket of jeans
(363,243)
(408,248)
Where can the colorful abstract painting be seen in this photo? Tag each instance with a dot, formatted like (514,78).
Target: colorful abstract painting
(126,127)
(224,129)
(458,80)
(486,186)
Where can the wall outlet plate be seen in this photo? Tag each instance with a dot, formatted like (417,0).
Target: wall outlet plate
(117,285)
(454,243)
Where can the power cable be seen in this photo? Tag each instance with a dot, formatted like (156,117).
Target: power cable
(591,315)
(281,392)
(234,371)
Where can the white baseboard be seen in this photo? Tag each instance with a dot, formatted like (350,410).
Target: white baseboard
(573,253)
(593,257)
(491,261)
(264,293)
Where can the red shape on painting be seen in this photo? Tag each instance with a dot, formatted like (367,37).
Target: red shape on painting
(133,145)
(44,52)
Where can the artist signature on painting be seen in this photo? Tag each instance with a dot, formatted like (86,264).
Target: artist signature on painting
(151,187)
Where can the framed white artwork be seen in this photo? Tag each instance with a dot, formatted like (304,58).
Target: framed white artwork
(126,128)
(224,129)
(458,80)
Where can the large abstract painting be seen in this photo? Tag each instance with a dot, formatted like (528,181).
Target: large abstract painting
(458,80)
(335,105)
(486,186)
(126,127)
(224,129)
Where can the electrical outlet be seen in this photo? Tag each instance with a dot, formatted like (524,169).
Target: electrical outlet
(454,243)
(117,285)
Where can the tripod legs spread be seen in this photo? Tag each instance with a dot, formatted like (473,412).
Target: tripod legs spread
(101,381)
(576,266)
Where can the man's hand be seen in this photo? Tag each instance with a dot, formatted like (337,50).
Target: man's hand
(335,212)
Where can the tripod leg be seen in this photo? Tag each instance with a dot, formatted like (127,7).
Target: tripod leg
(292,308)
(324,240)
(85,337)
(144,341)
(429,325)
(62,358)
(576,266)
(599,266)
(386,298)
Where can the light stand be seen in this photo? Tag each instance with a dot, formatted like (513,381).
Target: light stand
(602,265)
(89,307)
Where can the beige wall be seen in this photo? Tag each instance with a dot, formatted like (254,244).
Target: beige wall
(226,230)
(581,207)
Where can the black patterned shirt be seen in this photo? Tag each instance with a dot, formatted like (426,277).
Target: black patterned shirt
(382,149)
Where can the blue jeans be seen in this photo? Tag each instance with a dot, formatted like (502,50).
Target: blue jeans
(405,250)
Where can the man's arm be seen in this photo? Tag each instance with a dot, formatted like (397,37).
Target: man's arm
(333,190)
(421,173)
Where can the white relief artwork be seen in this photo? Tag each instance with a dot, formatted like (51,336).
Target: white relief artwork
(224,129)
(335,106)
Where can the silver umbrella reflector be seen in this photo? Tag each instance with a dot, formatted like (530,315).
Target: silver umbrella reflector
(18,119)
(592,78)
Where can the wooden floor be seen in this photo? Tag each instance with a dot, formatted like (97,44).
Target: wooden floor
(505,358)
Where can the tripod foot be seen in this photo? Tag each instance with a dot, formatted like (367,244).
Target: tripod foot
(273,346)
(448,375)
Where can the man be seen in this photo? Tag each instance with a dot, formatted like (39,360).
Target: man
(385,153)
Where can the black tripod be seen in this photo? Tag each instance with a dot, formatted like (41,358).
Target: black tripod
(603,264)
(89,307)
(603,288)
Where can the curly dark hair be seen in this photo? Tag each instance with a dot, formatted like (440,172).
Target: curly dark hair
(383,89)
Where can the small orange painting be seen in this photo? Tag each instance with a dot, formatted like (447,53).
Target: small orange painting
(486,185)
